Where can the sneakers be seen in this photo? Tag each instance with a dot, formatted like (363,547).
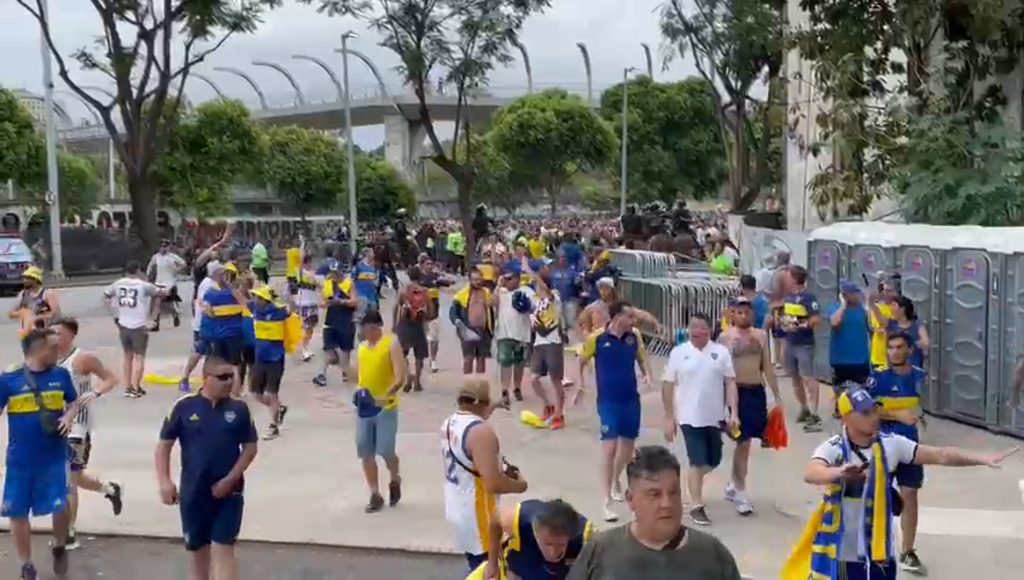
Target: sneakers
(737,497)
(699,516)
(282,412)
(176,319)
(60,560)
(417,387)
(375,504)
(813,424)
(804,416)
(909,562)
(617,493)
(115,496)
(136,392)
(28,572)
(505,402)
(394,493)
(609,514)
(557,423)
(518,394)
(272,432)
(549,412)
(407,388)
(433,366)
(307,356)
(320,380)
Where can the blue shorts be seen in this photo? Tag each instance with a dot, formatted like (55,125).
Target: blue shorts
(39,490)
(342,339)
(753,412)
(206,520)
(703,445)
(375,436)
(620,419)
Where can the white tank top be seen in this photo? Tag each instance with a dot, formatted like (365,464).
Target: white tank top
(83,385)
(468,506)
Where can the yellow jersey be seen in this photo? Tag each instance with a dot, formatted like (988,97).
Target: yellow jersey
(376,373)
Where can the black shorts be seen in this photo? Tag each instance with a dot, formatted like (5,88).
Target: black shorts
(413,337)
(262,274)
(339,338)
(266,378)
(478,348)
(172,294)
(230,350)
(856,373)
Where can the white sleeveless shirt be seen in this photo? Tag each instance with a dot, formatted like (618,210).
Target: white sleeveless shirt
(468,505)
(83,384)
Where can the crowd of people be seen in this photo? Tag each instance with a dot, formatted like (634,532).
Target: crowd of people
(528,293)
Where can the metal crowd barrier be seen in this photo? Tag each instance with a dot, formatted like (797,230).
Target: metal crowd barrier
(674,298)
(643,264)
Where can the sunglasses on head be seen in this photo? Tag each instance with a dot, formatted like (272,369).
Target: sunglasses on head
(224,376)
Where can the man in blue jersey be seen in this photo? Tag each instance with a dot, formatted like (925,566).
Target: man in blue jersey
(898,389)
(617,350)
(41,402)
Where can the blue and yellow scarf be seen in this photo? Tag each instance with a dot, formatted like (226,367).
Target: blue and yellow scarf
(816,555)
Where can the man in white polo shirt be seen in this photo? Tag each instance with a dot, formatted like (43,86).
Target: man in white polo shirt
(698,386)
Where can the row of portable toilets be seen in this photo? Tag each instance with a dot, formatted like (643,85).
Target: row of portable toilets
(967,284)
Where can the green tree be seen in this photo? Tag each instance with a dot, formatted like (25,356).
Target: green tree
(955,171)
(79,184)
(21,146)
(550,136)
(459,40)
(498,183)
(946,53)
(148,53)
(304,168)
(206,153)
(736,45)
(675,147)
(380,190)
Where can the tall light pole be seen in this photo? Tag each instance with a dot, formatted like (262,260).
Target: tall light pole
(52,185)
(625,137)
(353,215)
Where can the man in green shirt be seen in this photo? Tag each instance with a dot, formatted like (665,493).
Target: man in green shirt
(655,546)
(456,244)
(261,262)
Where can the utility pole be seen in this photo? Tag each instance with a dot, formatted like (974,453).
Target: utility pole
(625,136)
(53,186)
(353,214)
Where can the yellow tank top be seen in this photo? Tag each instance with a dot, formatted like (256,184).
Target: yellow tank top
(375,371)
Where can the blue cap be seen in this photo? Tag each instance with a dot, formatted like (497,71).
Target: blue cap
(365,404)
(856,400)
(847,287)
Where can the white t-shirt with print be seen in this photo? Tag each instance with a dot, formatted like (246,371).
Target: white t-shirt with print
(898,449)
(132,298)
(699,376)
(511,323)
(555,336)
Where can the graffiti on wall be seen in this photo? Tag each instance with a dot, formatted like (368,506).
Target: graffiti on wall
(277,234)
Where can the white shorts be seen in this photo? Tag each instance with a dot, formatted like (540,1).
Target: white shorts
(434,330)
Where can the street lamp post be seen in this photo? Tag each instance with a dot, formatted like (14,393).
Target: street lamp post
(625,136)
(52,184)
(353,215)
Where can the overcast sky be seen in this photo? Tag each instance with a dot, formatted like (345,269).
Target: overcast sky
(611,29)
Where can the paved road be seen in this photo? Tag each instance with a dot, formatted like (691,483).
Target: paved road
(307,488)
(116,558)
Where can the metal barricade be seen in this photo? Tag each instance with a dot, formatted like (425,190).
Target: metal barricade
(673,298)
(643,264)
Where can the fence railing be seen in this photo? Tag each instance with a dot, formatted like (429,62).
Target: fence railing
(672,291)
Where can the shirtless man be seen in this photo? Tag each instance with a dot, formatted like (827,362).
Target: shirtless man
(751,359)
(595,316)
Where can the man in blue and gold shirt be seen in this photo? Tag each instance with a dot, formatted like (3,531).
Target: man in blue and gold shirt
(41,401)
(269,316)
(898,389)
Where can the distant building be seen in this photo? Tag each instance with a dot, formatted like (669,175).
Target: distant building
(36,106)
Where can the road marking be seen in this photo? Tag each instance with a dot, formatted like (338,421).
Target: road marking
(972,523)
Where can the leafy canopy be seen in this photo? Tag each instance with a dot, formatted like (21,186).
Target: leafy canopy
(548,137)
(674,143)
(21,146)
(304,168)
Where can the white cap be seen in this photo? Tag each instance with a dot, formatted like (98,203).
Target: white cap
(606,281)
(213,267)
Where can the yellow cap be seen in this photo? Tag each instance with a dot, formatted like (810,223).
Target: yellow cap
(605,256)
(264,292)
(231,267)
(33,273)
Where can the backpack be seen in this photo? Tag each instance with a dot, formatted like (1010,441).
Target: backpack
(419,303)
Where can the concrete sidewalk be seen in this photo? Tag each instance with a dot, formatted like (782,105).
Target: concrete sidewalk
(307,486)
